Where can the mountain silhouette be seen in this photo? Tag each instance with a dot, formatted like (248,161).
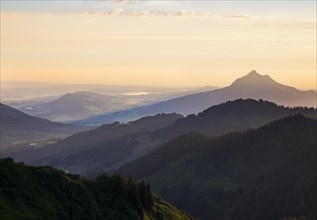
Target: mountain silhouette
(255,79)
(252,86)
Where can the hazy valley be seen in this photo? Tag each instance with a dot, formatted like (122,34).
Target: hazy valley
(158,110)
(73,102)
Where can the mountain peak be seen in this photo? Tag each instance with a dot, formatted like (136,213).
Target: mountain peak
(253,72)
(253,78)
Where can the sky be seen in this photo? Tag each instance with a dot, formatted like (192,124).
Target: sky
(156,42)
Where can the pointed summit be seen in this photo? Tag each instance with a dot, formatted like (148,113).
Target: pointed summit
(253,72)
(253,78)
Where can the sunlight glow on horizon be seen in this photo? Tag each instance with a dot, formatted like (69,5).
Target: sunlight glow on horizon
(188,43)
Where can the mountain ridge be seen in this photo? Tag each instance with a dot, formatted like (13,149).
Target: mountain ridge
(222,118)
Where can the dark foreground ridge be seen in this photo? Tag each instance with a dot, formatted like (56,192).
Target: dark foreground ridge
(259,174)
(28,192)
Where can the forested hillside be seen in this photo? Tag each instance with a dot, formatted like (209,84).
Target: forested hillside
(28,192)
(267,173)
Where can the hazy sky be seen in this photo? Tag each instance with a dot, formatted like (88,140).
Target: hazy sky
(158,42)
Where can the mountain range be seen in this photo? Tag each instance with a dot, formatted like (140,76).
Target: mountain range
(253,85)
(111,146)
(267,173)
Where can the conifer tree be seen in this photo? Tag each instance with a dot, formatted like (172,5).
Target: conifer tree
(150,202)
(133,196)
(143,194)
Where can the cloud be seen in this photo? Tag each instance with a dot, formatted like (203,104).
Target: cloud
(135,12)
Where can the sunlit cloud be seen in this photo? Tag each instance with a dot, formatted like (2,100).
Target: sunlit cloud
(122,12)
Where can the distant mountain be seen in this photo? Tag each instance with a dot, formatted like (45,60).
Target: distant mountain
(268,173)
(111,146)
(106,147)
(253,85)
(75,106)
(17,127)
(85,104)
(46,193)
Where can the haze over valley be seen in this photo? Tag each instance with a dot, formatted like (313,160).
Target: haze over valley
(158,110)
(70,102)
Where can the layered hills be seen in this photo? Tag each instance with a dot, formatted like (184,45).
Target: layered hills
(110,146)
